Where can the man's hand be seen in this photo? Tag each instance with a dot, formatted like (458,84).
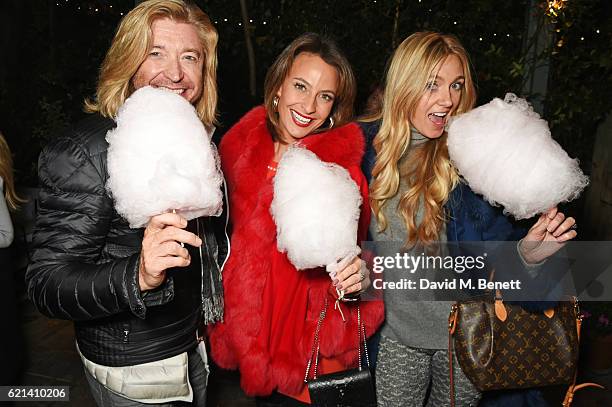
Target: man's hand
(547,236)
(161,249)
(354,278)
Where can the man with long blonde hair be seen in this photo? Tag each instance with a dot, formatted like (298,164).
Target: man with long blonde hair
(136,296)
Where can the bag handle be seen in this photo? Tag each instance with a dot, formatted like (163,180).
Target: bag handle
(314,352)
(569,395)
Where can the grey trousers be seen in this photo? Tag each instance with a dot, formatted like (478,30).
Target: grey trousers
(404,374)
(198,376)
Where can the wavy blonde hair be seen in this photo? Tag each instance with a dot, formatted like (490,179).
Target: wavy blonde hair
(328,51)
(131,45)
(431,174)
(6,173)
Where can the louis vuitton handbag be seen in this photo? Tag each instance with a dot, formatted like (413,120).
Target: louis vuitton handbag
(503,346)
(347,388)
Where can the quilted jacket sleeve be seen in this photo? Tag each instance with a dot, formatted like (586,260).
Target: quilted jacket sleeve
(67,277)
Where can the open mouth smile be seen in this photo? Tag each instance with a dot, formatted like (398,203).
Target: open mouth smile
(438,118)
(300,120)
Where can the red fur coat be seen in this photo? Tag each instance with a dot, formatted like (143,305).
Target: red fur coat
(271,309)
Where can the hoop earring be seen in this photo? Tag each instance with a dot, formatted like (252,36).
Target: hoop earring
(331,122)
(275,103)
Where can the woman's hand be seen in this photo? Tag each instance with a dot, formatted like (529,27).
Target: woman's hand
(547,236)
(354,278)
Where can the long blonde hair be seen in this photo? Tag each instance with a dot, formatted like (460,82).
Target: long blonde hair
(6,172)
(131,45)
(432,176)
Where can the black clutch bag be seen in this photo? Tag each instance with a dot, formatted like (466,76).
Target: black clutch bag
(347,388)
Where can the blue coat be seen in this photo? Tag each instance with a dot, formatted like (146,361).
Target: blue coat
(473,219)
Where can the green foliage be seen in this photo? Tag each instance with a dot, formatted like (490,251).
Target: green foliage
(580,82)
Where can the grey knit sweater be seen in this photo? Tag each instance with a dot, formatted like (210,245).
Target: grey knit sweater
(418,323)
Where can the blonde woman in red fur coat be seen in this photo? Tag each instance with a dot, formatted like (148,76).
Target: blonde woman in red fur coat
(272,309)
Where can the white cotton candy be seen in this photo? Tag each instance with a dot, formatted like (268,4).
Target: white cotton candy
(316,210)
(161,158)
(505,152)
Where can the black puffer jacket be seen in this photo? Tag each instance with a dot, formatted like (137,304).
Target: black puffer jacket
(85,260)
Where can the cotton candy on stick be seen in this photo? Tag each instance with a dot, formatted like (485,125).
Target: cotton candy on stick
(316,210)
(505,152)
(160,159)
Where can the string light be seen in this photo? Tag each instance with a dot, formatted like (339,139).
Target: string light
(554,8)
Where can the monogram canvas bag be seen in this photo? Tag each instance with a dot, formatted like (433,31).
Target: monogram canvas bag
(503,346)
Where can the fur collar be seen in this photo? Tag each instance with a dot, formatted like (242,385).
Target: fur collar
(250,139)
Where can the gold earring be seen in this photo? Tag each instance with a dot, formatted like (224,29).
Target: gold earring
(275,103)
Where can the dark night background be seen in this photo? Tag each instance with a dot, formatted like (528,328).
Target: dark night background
(51,52)
(555,53)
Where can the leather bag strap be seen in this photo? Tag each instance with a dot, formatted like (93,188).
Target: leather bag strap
(452,325)
(573,388)
(450,369)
